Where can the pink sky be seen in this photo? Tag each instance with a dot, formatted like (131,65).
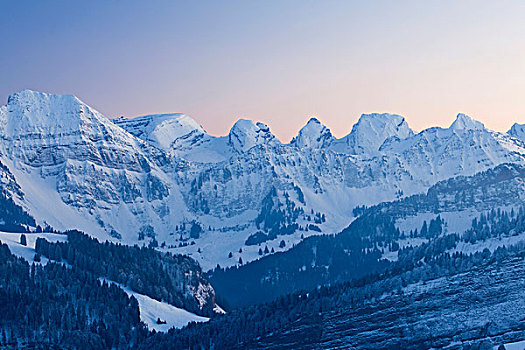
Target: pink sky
(279,62)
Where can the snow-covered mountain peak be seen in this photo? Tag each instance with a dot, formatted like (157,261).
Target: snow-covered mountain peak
(313,120)
(166,131)
(44,129)
(371,131)
(518,131)
(43,113)
(38,115)
(313,135)
(464,122)
(246,134)
(29,97)
(376,122)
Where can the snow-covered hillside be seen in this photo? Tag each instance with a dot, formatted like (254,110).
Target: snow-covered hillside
(160,316)
(163,180)
(27,252)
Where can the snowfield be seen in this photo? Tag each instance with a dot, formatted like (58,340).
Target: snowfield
(28,252)
(519,345)
(151,310)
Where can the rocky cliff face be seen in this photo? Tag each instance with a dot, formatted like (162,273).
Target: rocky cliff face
(163,180)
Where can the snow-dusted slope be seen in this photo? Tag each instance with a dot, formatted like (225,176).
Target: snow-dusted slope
(165,131)
(152,311)
(162,179)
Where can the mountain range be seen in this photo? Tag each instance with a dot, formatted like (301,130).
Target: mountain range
(131,228)
(163,181)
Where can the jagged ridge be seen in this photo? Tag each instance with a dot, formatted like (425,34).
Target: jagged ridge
(163,180)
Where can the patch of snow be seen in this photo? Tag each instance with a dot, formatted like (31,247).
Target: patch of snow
(455,221)
(151,310)
(519,345)
(218,310)
(491,244)
(28,252)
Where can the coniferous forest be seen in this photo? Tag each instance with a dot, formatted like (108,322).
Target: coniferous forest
(67,303)
(56,306)
(165,277)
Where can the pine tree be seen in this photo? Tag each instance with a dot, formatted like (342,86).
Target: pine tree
(23,239)
(58,253)
(424,229)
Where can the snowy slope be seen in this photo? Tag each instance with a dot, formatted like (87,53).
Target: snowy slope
(163,130)
(519,345)
(28,252)
(151,310)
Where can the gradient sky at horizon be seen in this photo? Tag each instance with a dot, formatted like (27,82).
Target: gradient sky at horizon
(279,62)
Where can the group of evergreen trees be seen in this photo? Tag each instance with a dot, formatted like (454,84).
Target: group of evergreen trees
(162,276)
(496,223)
(276,218)
(55,306)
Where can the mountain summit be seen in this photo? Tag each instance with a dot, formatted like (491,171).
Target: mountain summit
(246,134)
(464,122)
(165,131)
(313,135)
(518,131)
(371,131)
